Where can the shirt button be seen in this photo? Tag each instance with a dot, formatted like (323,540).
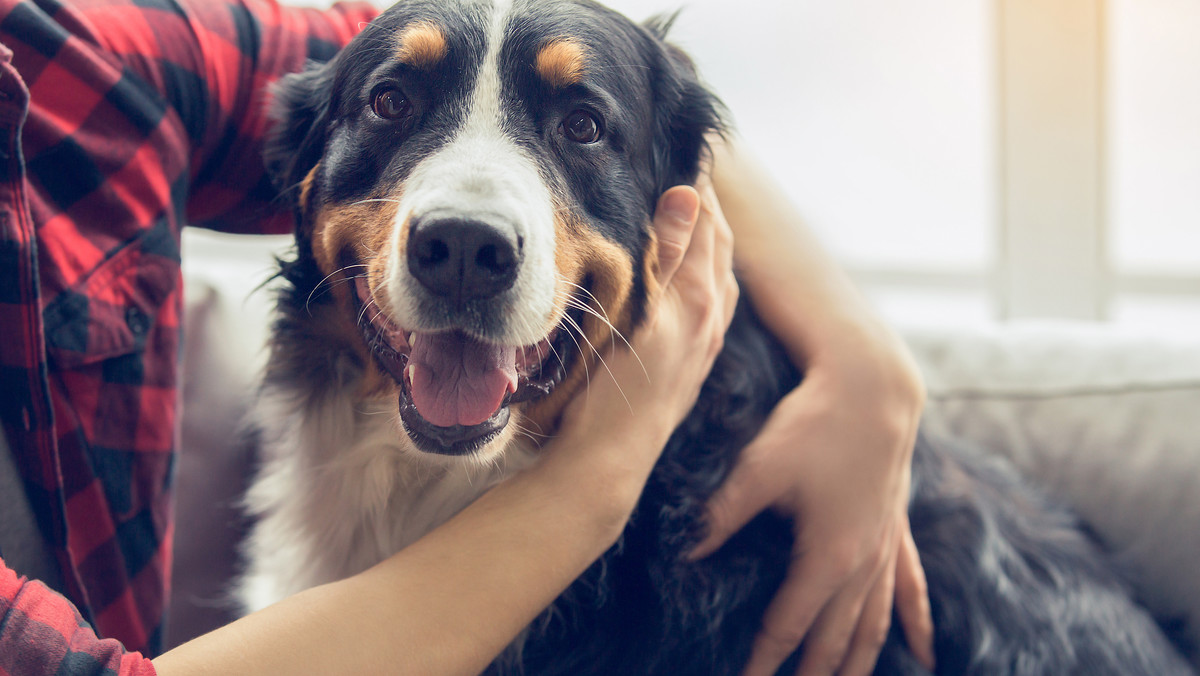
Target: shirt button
(137,321)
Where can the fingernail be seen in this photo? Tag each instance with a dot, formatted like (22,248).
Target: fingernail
(681,204)
(697,553)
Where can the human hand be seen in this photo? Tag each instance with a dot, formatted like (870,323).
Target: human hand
(641,394)
(835,455)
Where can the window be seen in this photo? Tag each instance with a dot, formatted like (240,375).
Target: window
(1153,137)
(979,160)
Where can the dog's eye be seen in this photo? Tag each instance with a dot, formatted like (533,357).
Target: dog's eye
(391,104)
(581,127)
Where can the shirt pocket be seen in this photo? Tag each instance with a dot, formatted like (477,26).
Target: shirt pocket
(116,308)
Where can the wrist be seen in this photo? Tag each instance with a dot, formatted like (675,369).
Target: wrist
(600,475)
(870,374)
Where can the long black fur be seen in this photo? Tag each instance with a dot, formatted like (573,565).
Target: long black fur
(1016,586)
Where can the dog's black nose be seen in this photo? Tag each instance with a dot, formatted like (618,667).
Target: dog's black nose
(461,259)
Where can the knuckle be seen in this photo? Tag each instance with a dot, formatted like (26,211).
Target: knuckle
(877,635)
(781,640)
(921,586)
(716,342)
(670,248)
(825,656)
(842,559)
(720,515)
(879,558)
(724,234)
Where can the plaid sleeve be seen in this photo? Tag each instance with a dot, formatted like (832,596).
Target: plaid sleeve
(214,61)
(41,633)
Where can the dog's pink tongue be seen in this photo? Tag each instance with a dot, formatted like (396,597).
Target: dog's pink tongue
(457,380)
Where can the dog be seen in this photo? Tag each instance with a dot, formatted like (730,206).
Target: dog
(473,183)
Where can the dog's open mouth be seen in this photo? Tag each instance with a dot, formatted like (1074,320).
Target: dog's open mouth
(455,390)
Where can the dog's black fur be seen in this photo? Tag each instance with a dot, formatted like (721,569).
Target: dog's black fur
(1016,586)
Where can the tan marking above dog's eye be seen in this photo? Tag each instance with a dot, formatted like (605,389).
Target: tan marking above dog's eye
(561,63)
(423,45)
(391,104)
(581,126)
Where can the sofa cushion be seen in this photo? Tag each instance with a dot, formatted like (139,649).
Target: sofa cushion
(1102,418)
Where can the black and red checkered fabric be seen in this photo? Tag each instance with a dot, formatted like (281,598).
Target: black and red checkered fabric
(44,634)
(120,120)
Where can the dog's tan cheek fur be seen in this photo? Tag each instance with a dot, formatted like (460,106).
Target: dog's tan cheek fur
(363,230)
(583,254)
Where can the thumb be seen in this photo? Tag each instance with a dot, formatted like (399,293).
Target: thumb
(674,222)
(912,601)
(744,494)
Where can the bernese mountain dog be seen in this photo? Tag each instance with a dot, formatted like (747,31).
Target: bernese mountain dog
(473,183)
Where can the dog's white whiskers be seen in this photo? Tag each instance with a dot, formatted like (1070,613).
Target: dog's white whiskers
(377,315)
(572,301)
(526,432)
(603,363)
(317,287)
(389,200)
(362,312)
(568,323)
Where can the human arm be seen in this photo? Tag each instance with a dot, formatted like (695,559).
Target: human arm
(42,634)
(199,75)
(836,452)
(451,601)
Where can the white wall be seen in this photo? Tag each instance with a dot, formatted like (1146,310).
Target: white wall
(876,115)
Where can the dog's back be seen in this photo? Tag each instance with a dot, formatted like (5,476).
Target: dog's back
(1015,585)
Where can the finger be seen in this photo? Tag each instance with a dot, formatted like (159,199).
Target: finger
(873,624)
(748,490)
(788,617)
(674,222)
(721,320)
(710,207)
(831,632)
(732,291)
(912,600)
(697,262)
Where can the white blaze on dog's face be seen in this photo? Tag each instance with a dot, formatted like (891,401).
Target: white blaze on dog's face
(473,242)
(484,173)
(493,205)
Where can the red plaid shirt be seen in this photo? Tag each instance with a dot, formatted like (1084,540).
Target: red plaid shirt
(44,634)
(120,120)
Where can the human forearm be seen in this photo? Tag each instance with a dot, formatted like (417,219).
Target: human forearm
(448,603)
(797,287)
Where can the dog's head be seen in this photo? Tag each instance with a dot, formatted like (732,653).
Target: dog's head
(482,174)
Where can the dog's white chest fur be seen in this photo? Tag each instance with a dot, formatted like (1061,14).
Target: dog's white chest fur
(342,488)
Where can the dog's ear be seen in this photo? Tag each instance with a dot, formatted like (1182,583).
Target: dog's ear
(300,114)
(686,112)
